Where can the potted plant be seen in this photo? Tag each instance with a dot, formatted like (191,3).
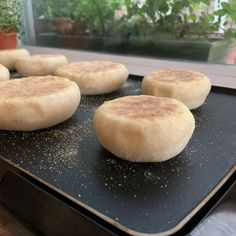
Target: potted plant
(128,29)
(52,16)
(60,15)
(187,29)
(191,28)
(10,23)
(180,29)
(91,21)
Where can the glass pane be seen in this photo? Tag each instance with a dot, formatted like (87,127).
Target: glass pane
(198,30)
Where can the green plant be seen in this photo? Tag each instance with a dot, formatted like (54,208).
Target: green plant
(190,18)
(178,18)
(209,22)
(10,16)
(228,10)
(132,23)
(49,9)
(96,14)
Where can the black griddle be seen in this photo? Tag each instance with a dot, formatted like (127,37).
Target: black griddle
(137,198)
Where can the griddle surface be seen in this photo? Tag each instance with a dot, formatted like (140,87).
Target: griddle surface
(149,198)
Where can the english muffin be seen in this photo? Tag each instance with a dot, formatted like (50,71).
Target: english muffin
(95,77)
(187,86)
(144,128)
(9,57)
(45,64)
(4,73)
(37,102)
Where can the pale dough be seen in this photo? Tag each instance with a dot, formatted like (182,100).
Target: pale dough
(40,64)
(37,102)
(144,128)
(4,73)
(95,77)
(9,57)
(187,86)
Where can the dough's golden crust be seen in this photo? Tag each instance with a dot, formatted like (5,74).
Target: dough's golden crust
(81,68)
(40,65)
(144,128)
(32,86)
(175,75)
(187,86)
(95,77)
(37,102)
(145,107)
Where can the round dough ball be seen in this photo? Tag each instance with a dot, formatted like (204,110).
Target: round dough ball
(8,57)
(40,64)
(37,102)
(4,73)
(95,77)
(187,86)
(144,128)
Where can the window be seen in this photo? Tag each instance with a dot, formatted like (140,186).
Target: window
(196,30)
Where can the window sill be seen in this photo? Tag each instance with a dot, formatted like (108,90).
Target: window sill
(220,75)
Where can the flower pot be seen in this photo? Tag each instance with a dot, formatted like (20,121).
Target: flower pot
(7,40)
(79,28)
(213,51)
(42,25)
(62,25)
